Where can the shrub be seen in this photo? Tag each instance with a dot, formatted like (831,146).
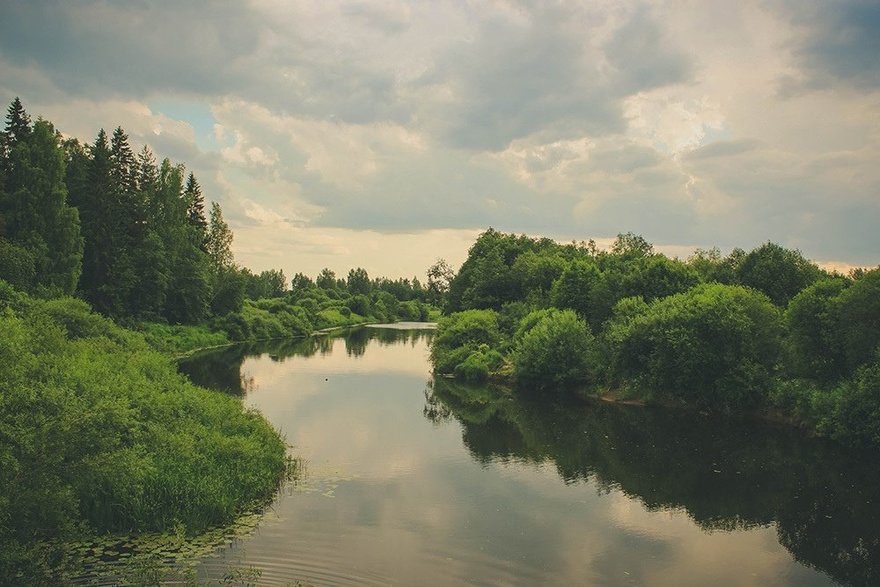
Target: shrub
(459,334)
(715,346)
(554,349)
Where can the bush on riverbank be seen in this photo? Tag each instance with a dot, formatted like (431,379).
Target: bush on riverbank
(99,433)
(714,346)
(554,350)
(460,335)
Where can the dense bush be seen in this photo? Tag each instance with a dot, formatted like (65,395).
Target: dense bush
(99,433)
(714,346)
(479,364)
(554,349)
(458,335)
(814,346)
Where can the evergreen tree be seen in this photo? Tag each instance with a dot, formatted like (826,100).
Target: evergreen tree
(151,262)
(219,240)
(97,208)
(195,206)
(18,128)
(34,205)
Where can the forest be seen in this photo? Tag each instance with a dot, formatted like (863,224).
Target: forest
(109,268)
(762,332)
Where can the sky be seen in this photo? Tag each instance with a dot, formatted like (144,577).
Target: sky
(386,135)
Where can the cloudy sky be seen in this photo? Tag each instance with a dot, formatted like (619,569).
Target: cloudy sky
(385,134)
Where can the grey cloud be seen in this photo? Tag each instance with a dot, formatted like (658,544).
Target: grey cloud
(131,49)
(517,79)
(842,44)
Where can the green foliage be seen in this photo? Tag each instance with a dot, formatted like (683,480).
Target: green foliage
(554,350)
(265,319)
(228,291)
(35,209)
(16,265)
(178,339)
(813,325)
(714,346)
(479,364)
(711,266)
(858,316)
(358,282)
(458,335)
(854,417)
(575,285)
(98,433)
(778,272)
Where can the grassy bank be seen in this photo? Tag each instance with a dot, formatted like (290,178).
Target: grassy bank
(100,434)
(310,311)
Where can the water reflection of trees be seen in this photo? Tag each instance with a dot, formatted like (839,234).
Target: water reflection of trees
(221,368)
(727,474)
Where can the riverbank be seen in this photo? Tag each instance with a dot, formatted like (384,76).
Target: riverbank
(100,435)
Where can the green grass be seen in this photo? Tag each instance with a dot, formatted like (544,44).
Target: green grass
(179,339)
(99,433)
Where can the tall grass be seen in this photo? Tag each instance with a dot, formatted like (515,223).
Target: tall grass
(99,433)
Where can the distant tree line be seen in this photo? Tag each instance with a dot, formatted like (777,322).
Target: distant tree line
(133,238)
(763,330)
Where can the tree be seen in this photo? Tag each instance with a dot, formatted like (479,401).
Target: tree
(815,348)
(326,279)
(574,287)
(778,272)
(857,310)
(195,205)
(218,242)
(358,282)
(440,275)
(460,334)
(18,129)
(96,208)
(299,284)
(35,207)
(630,246)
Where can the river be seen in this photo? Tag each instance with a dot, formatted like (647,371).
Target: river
(410,480)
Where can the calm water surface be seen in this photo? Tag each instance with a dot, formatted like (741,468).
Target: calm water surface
(414,481)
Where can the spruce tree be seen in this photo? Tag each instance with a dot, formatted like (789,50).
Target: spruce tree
(98,209)
(195,205)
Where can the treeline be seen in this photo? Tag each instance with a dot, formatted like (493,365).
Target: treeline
(132,237)
(763,330)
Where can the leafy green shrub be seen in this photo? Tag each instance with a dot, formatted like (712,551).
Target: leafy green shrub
(851,412)
(554,349)
(479,364)
(813,341)
(858,314)
(459,334)
(714,346)
(360,304)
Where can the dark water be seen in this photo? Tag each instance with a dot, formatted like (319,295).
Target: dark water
(410,480)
